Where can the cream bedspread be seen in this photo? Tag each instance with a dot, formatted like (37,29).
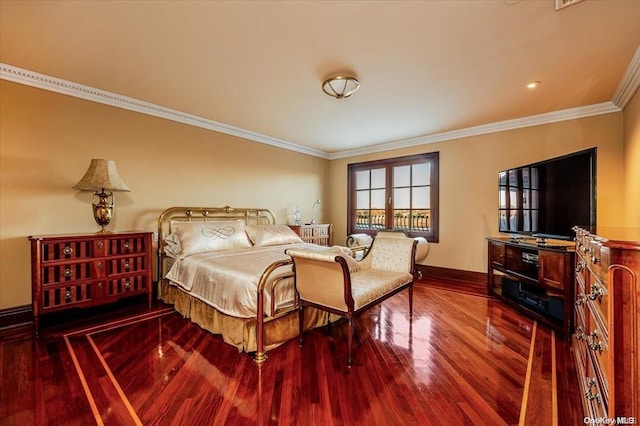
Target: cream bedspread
(228,280)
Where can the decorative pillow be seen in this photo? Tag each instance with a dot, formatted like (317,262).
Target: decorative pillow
(172,247)
(271,235)
(202,237)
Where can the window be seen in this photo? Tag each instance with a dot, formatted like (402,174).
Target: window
(397,193)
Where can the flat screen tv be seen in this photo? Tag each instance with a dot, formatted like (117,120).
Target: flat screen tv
(548,198)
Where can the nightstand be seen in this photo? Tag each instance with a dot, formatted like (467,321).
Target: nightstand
(69,271)
(316,233)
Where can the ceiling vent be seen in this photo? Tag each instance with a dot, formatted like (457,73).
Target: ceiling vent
(561,4)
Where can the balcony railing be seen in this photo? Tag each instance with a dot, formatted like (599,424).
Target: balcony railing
(403,221)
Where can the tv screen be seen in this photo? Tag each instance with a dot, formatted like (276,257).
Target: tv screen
(547,199)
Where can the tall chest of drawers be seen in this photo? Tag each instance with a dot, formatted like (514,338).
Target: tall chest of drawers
(606,342)
(69,271)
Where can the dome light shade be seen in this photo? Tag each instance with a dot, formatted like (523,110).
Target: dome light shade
(340,86)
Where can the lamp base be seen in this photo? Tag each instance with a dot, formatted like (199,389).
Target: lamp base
(103,208)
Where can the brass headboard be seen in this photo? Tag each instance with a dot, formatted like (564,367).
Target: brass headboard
(251,216)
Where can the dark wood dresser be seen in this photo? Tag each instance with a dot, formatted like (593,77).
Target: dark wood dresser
(606,341)
(70,271)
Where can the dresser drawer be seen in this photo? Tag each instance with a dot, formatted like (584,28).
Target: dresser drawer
(125,265)
(62,296)
(128,284)
(123,245)
(598,298)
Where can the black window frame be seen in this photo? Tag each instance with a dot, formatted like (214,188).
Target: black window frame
(433,158)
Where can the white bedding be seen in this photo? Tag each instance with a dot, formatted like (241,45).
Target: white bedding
(228,280)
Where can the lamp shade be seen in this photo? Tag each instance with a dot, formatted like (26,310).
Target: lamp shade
(340,87)
(101,175)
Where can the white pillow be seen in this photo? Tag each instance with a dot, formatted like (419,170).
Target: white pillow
(202,237)
(271,235)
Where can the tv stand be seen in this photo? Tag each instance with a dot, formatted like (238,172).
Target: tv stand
(535,279)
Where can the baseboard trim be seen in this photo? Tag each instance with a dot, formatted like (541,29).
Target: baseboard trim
(16,315)
(440,273)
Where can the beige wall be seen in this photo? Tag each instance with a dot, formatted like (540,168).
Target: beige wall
(632,160)
(47,140)
(468,181)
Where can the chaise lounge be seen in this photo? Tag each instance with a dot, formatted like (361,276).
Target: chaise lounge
(343,286)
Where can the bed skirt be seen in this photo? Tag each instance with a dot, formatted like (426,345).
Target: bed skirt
(240,332)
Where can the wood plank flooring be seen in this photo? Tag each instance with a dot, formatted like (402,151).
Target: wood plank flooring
(462,358)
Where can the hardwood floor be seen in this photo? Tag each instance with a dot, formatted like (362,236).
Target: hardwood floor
(462,358)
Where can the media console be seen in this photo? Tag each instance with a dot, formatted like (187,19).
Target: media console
(535,278)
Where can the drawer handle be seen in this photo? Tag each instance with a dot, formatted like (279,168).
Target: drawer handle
(99,265)
(127,246)
(127,265)
(100,244)
(127,284)
(589,393)
(581,299)
(579,266)
(100,285)
(67,251)
(67,295)
(580,333)
(596,291)
(67,272)
(594,260)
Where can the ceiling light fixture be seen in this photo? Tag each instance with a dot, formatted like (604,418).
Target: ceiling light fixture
(340,86)
(533,85)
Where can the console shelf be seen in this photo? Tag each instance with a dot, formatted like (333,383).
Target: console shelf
(536,279)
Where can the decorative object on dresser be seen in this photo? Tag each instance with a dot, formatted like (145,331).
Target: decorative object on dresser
(606,342)
(101,178)
(70,271)
(313,210)
(535,278)
(320,234)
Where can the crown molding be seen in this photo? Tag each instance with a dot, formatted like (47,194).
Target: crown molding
(65,87)
(625,92)
(500,126)
(630,82)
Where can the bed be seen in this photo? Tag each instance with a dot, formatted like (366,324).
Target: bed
(226,270)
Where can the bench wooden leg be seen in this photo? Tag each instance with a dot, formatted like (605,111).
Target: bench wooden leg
(300,324)
(349,341)
(411,300)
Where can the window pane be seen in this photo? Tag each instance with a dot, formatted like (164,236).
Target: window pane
(525,178)
(378,178)
(534,178)
(401,176)
(420,220)
(378,199)
(513,199)
(401,198)
(362,219)
(378,219)
(362,200)
(534,199)
(421,174)
(362,179)
(502,178)
(513,178)
(502,198)
(421,197)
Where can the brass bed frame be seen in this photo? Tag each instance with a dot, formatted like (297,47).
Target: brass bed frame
(251,216)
